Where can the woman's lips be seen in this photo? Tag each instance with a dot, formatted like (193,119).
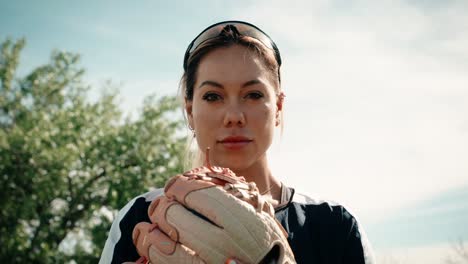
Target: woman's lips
(235,142)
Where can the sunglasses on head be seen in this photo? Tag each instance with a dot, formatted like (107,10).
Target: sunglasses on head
(240,28)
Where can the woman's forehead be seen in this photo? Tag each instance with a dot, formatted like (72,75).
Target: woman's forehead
(234,64)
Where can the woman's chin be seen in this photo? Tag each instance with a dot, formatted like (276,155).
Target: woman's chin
(234,164)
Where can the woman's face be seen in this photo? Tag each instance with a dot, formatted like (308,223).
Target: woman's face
(234,109)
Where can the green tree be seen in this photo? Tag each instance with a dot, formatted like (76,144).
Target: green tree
(67,163)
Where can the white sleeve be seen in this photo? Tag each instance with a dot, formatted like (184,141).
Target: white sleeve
(115,233)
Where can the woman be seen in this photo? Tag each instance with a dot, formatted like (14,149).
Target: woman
(234,102)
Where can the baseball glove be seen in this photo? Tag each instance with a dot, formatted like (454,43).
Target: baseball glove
(209,215)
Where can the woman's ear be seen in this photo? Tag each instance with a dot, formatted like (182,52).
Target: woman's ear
(279,107)
(188,111)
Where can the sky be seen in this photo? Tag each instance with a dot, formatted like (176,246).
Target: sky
(376,110)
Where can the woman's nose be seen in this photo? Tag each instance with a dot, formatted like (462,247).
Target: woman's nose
(234,116)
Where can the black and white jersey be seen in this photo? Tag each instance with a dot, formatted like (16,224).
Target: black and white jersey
(318,231)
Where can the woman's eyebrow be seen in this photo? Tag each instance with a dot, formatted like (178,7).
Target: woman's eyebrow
(252,82)
(211,83)
(218,85)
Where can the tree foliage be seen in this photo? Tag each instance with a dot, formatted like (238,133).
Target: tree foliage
(67,164)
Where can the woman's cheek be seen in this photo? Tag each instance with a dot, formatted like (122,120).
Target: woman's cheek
(267,113)
(205,124)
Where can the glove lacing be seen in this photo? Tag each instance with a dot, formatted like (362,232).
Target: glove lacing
(236,185)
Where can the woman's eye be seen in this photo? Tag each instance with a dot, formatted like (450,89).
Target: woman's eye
(254,95)
(211,97)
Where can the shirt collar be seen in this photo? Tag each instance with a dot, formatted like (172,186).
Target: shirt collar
(287,194)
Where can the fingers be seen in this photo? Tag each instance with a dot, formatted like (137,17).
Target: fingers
(146,235)
(180,224)
(153,245)
(209,241)
(182,254)
(157,212)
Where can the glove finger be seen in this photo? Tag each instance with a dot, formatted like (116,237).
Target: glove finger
(146,235)
(191,230)
(157,247)
(206,198)
(157,214)
(182,254)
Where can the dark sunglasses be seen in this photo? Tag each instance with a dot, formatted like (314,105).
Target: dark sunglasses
(241,28)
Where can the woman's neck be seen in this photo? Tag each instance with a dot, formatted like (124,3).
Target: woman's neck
(260,173)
